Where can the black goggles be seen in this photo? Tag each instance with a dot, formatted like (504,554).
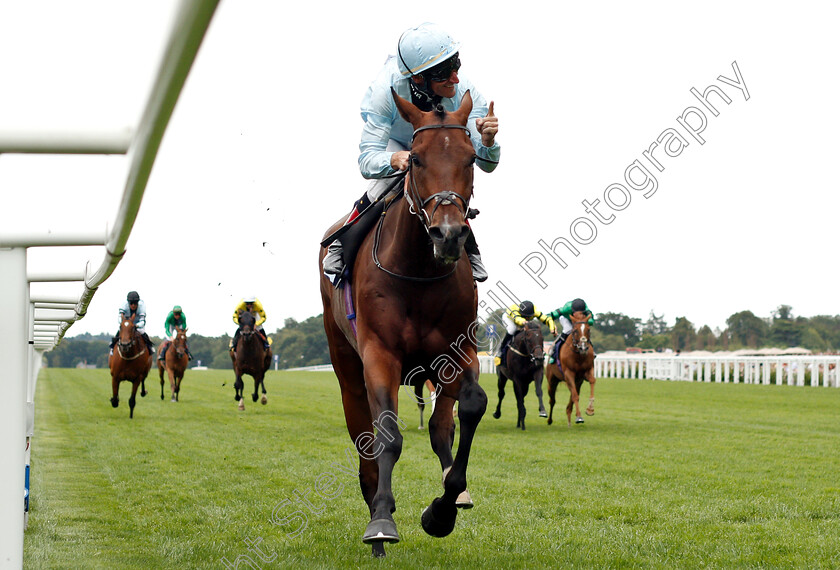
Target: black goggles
(444,69)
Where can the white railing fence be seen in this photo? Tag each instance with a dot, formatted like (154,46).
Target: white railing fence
(32,324)
(817,370)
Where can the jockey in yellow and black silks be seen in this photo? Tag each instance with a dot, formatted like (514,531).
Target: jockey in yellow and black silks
(252,305)
(515,318)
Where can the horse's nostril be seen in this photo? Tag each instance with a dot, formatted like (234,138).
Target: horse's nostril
(465,231)
(436,233)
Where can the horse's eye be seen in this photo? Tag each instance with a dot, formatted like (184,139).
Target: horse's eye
(415,161)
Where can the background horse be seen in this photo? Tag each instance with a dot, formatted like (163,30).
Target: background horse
(175,362)
(251,357)
(523,364)
(412,307)
(577,361)
(130,361)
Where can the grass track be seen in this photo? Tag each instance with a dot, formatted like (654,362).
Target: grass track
(665,475)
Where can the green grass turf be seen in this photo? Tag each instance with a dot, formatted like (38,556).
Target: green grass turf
(665,475)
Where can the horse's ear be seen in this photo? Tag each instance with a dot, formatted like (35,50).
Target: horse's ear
(463,112)
(408,110)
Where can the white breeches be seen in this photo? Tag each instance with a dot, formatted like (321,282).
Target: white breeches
(566,324)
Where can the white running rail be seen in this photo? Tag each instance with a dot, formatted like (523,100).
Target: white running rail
(817,370)
(31,325)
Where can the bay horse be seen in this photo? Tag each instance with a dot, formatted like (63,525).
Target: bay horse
(577,363)
(174,363)
(523,364)
(251,357)
(130,361)
(409,310)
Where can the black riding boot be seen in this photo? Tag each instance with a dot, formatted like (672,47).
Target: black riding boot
(149,344)
(333,263)
(503,347)
(478,269)
(162,352)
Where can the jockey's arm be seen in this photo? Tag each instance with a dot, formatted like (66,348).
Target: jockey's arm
(548,320)
(261,312)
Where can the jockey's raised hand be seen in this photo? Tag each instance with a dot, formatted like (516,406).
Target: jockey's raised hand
(488,127)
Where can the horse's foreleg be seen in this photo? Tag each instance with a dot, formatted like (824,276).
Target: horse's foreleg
(520,392)
(264,399)
(382,379)
(502,380)
(171,373)
(590,409)
(439,518)
(133,399)
(552,390)
(538,381)
(115,387)
(573,394)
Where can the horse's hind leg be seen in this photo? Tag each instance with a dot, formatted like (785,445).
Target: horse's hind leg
(502,380)
(264,399)
(438,519)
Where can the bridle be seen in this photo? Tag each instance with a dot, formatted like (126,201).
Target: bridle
(580,342)
(128,346)
(412,196)
(441,198)
(533,359)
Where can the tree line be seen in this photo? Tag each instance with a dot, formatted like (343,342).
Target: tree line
(296,344)
(616,331)
(304,343)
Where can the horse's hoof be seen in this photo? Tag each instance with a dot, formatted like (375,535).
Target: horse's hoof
(497,415)
(590,413)
(421,427)
(439,524)
(255,396)
(378,550)
(579,420)
(241,405)
(173,399)
(237,397)
(464,500)
(381,530)
(115,402)
(143,394)
(263,400)
(543,414)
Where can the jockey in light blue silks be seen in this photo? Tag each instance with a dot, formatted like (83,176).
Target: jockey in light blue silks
(135,309)
(425,72)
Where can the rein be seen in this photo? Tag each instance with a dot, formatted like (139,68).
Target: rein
(132,357)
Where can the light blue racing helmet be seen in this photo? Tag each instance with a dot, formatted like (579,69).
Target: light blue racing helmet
(423,47)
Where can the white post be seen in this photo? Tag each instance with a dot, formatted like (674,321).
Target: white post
(14,306)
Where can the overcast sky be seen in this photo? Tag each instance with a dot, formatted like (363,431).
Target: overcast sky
(260,156)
